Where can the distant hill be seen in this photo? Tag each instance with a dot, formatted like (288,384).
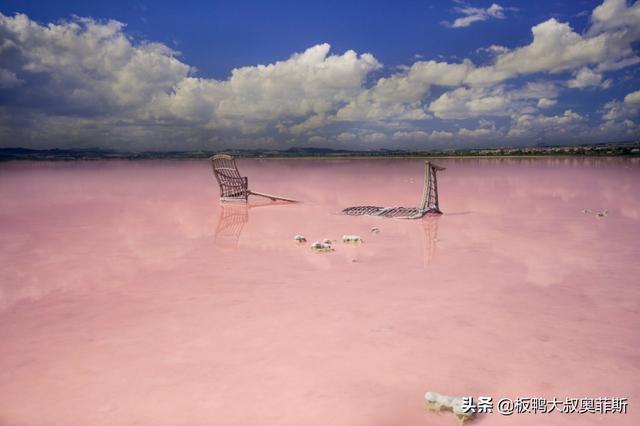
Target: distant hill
(604,149)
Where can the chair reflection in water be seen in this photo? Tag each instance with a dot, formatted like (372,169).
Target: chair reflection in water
(232,219)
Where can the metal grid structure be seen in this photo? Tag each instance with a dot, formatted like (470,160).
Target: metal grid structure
(429,203)
(233,186)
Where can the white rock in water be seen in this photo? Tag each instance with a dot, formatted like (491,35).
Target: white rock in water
(300,239)
(458,408)
(375,230)
(438,402)
(432,397)
(352,239)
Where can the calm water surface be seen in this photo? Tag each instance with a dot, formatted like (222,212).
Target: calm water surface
(129,295)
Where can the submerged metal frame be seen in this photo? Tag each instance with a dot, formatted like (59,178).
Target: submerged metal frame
(429,203)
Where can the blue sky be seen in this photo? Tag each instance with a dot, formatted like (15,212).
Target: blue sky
(361,74)
(217,36)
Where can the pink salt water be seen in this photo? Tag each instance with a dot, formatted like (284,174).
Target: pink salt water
(130,296)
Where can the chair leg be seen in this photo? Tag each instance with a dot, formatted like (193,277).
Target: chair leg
(272,197)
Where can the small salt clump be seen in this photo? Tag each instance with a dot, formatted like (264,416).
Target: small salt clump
(375,230)
(300,239)
(326,241)
(603,213)
(354,239)
(321,247)
(437,402)
(586,211)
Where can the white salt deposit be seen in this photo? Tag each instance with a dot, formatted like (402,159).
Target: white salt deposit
(321,247)
(439,402)
(352,239)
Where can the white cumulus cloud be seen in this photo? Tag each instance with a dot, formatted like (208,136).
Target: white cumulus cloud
(496,101)
(8,79)
(546,102)
(628,108)
(585,77)
(569,123)
(69,82)
(476,14)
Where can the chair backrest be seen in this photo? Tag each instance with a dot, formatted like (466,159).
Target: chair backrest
(232,184)
(430,193)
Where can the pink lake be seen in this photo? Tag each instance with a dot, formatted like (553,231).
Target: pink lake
(130,296)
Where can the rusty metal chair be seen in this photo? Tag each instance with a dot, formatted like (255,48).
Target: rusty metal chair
(428,205)
(233,186)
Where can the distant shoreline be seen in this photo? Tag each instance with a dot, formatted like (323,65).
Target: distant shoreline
(318,158)
(622,149)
